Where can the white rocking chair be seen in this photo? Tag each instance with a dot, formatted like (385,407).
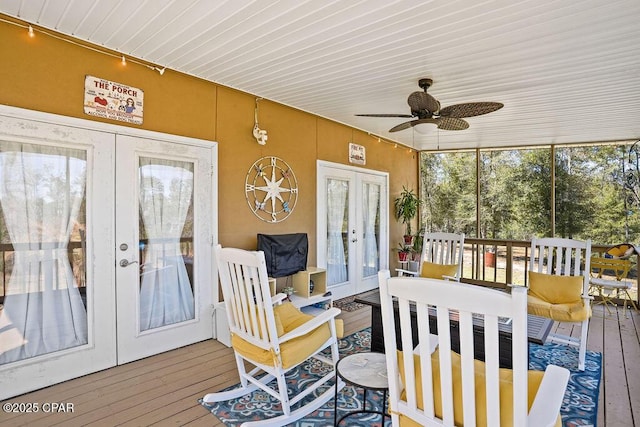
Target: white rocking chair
(559,273)
(457,388)
(273,338)
(441,257)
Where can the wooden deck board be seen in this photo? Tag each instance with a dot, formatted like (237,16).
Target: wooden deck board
(616,398)
(630,334)
(164,389)
(595,342)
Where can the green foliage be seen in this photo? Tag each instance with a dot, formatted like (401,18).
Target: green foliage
(448,192)
(406,207)
(515,193)
(404,249)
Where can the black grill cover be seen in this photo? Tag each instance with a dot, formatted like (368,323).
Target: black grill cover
(285,254)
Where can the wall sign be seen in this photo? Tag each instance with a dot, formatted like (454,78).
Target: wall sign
(356,154)
(271,189)
(111,100)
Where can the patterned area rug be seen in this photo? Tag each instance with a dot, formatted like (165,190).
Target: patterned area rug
(580,405)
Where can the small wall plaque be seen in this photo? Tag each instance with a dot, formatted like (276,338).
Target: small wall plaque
(356,154)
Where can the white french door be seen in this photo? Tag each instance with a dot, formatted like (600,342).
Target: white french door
(75,203)
(163,246)
(352,226)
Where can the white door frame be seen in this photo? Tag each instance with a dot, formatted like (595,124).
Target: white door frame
(99,139)
(342,170)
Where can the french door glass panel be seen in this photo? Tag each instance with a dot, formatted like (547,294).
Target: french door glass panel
(371,228)
(337,231)
(42,229)
(166,240)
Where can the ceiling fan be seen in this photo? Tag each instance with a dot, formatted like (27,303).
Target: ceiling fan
(426,109)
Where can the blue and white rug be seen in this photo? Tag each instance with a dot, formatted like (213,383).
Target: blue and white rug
(579,408)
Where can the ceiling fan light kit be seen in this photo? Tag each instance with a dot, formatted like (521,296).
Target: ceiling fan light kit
(425,109)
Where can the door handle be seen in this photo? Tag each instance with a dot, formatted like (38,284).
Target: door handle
(126,262)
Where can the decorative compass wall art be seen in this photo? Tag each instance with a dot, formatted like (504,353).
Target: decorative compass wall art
(271,189)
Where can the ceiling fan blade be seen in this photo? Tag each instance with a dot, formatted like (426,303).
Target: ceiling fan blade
(452,123)
(407,125)
(407,116)
(419,101)
(470,109)
(402,126)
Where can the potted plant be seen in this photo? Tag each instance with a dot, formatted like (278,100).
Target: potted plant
(404,252)
(406,208)
(416,249)
(490,257)
(418,239)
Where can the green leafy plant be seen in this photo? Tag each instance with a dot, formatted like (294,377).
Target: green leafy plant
(404,252)
(288,290)
(418,239)
(406,207)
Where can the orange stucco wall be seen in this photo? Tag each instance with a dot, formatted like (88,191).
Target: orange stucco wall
(46,74)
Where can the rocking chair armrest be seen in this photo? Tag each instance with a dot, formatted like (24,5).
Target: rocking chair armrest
(450,278)
(546,405)
(278,298)
(310,325)
(587,297)
(404,272)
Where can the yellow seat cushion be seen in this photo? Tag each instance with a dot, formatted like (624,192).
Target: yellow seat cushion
(436,271)
(292,352)
(556,289)
(287,314)
(506,391)
(571,312)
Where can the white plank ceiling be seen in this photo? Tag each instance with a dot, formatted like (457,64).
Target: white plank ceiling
(566,70)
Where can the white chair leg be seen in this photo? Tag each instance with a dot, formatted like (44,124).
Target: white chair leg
(284,395)
(583,345)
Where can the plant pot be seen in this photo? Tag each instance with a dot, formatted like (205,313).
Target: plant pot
(413,265)
(408,240)
(403,256)
(490,259)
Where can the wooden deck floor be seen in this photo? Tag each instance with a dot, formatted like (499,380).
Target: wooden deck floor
(164,389)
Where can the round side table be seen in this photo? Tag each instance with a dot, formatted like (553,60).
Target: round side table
(367,371)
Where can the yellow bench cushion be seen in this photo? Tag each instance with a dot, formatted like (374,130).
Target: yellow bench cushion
(556,289)
(506,391)
(571,312)
(292,352)
(436,271)
(557,297)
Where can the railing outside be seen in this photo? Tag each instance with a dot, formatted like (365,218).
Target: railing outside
(486,262)
(496,263)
